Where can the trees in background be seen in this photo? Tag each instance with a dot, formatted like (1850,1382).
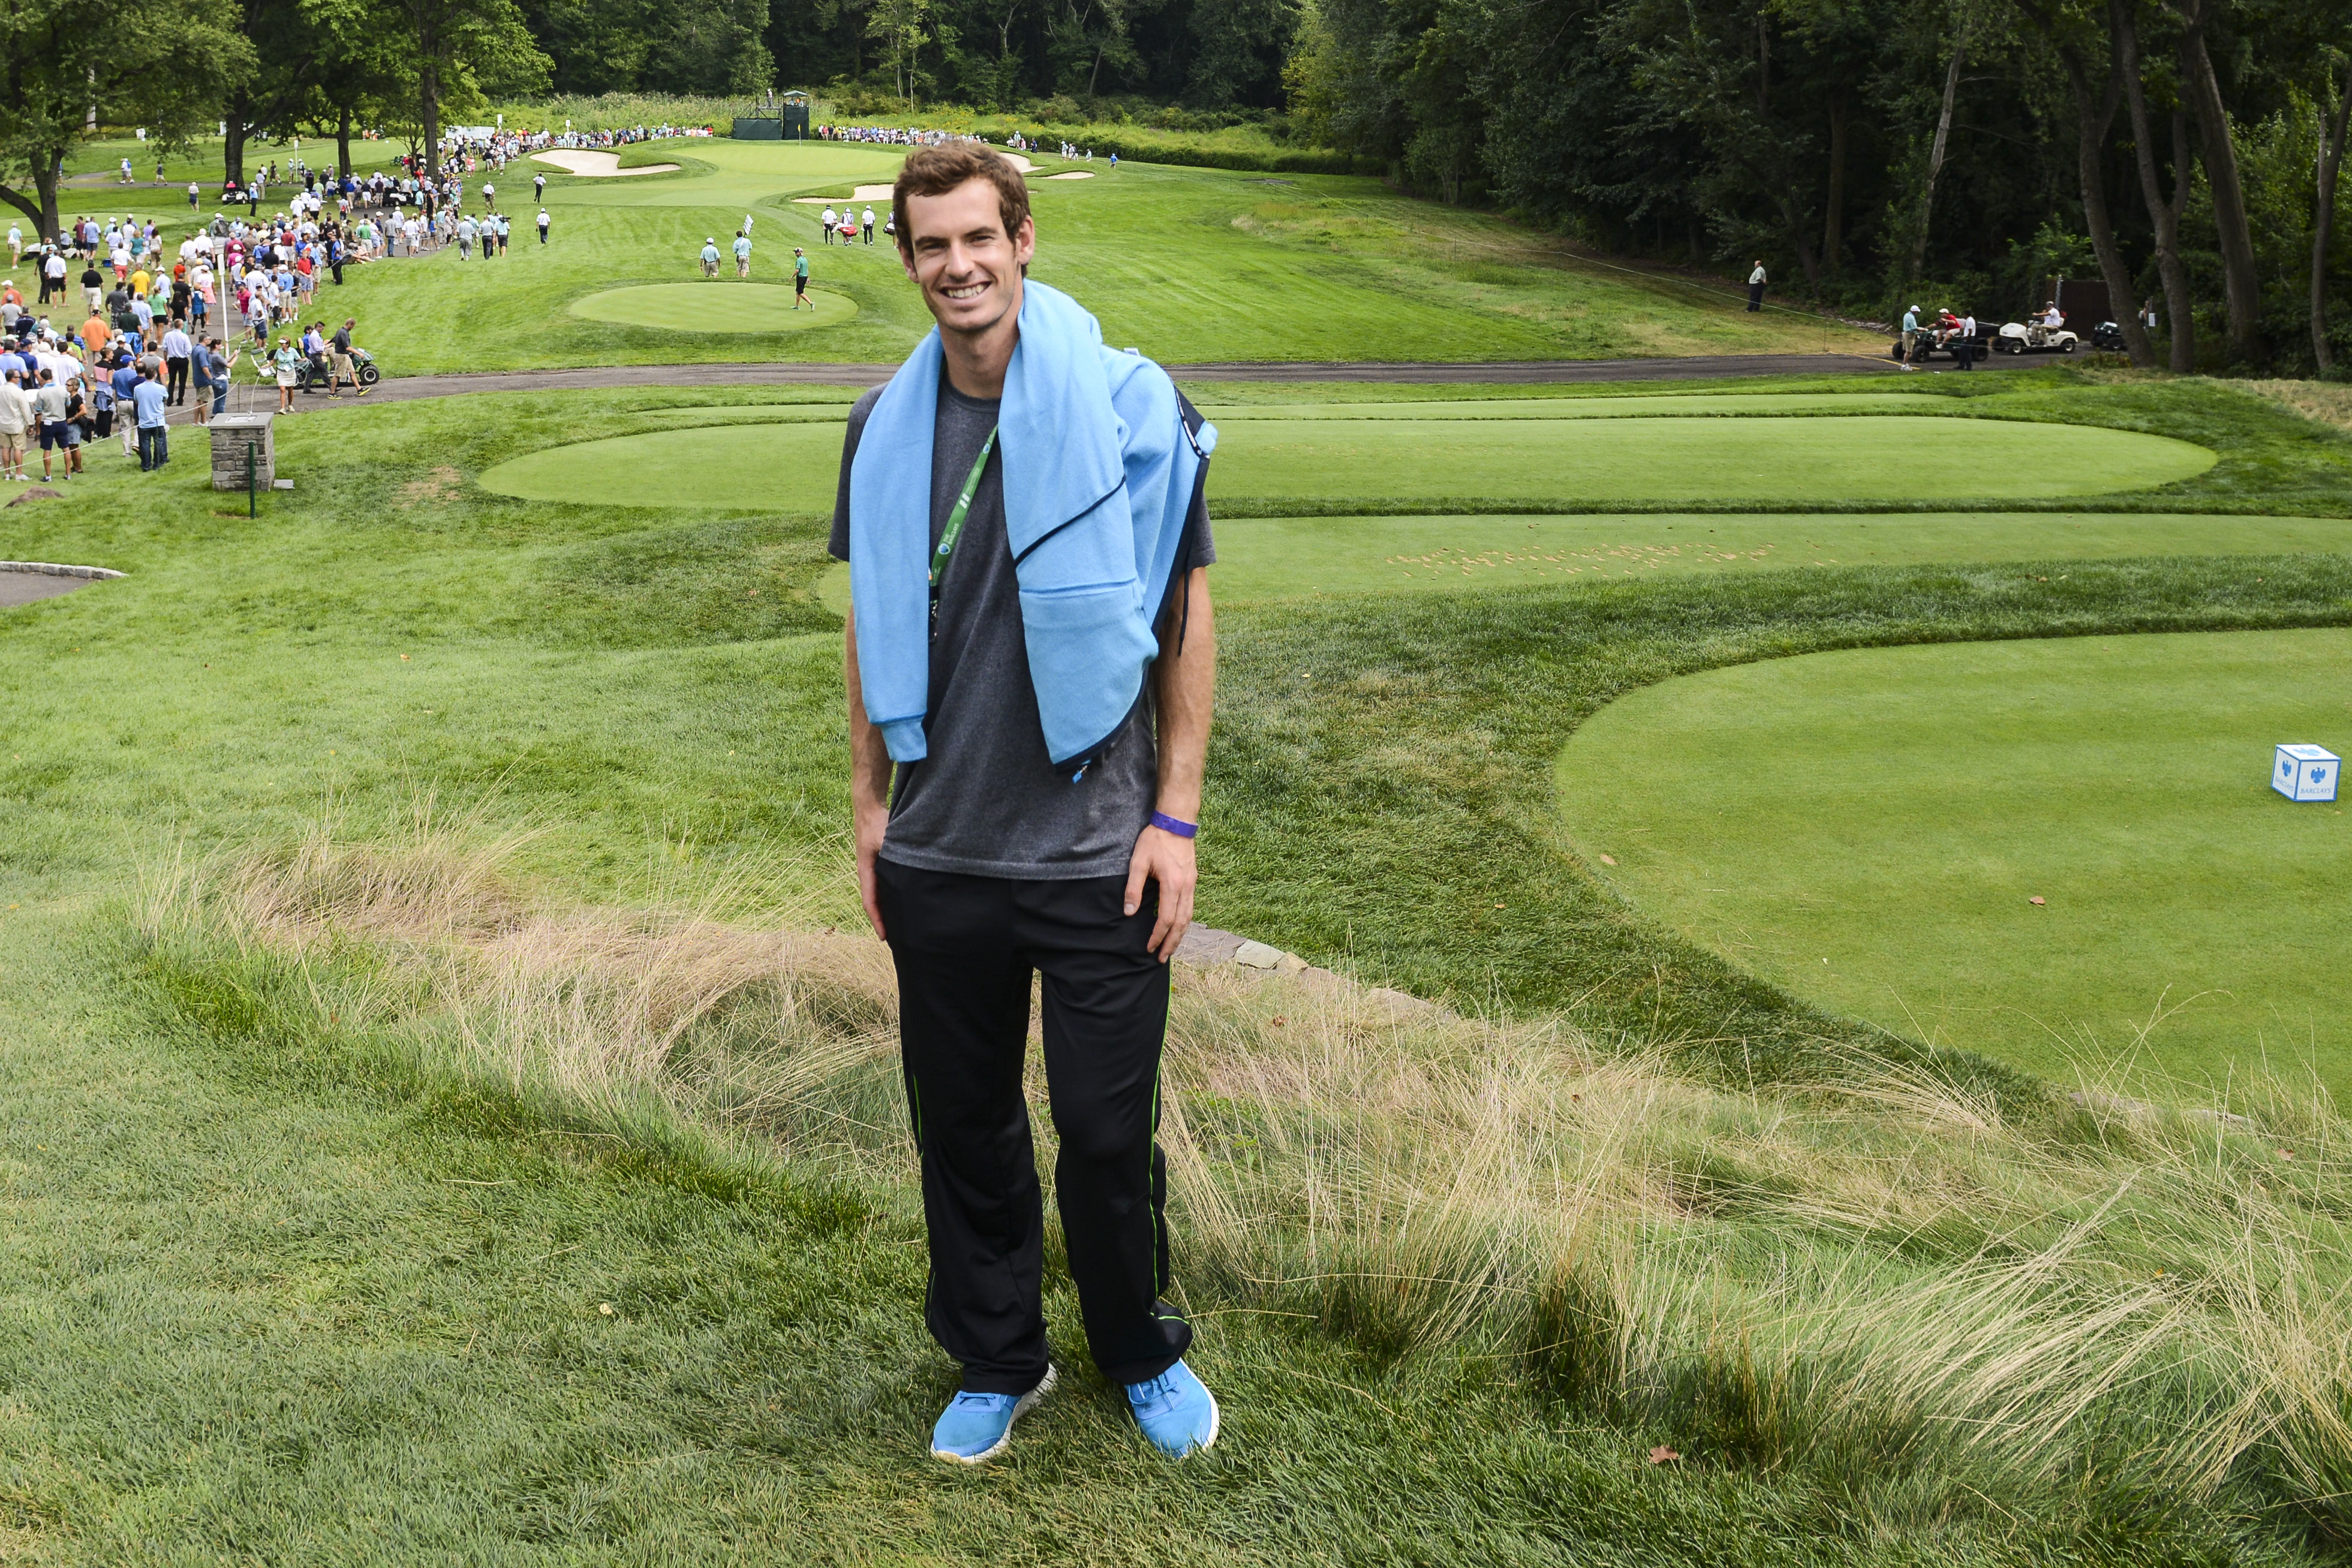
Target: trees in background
(397,66)
(164,64)
(1209,54)
(1869,148)
(703,47)
(455,52)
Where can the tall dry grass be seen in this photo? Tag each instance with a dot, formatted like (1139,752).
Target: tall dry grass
(1885,1276)
(2328,403)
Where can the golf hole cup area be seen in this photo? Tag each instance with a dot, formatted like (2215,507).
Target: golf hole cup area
(2305,772)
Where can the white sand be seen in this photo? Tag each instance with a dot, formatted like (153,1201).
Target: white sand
(597,164)
(1073,174)
(864,193)
(882,193)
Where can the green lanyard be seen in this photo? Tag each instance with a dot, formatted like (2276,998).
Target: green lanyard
(954,530)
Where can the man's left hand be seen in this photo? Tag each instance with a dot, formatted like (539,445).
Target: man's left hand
(1161,857)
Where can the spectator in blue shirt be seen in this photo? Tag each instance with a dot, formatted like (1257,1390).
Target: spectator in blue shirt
(154,443)
(126,383)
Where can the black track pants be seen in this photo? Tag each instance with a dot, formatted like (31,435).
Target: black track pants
(965,947)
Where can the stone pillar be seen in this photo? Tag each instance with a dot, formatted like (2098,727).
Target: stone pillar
(235,435)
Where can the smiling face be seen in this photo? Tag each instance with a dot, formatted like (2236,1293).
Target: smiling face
(957,251)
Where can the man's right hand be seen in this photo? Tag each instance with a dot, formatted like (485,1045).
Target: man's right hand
(869,779)
(872,823)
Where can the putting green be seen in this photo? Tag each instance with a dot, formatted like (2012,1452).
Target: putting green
(774,467)
(1867,829)
(1646,405)
(724,305)
(793,466)
(1776,458)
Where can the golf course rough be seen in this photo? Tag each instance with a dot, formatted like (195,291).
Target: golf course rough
(714,305)
(1869,829)
(1367,454)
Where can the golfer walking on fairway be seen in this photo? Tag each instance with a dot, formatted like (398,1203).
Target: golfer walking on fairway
(1031,661)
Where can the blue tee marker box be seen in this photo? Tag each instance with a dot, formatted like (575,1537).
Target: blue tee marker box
(2306,772)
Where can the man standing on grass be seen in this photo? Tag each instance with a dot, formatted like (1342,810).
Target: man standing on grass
(709,256)
(125,381)
(1031,648)
(1756,287)
(154,430)
(800,279)
(49,401)
(542,226)
(16,413)
(177,348)
(742,254)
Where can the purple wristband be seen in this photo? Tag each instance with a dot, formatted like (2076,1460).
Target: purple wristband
(1168,824)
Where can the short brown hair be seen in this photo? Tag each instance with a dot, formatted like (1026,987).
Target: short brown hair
(936,170)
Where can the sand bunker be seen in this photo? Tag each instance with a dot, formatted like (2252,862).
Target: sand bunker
(882,193)
(863,193)
(598,164)
(1073,174)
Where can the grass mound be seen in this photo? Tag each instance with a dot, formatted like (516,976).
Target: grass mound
(750,466)
(1892,458)
(1273,557)
(1952,1308)
(726,305)
(1865,828)
(1267,463)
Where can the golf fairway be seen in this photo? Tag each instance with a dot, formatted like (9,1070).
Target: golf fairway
(1868,829)
(714,305)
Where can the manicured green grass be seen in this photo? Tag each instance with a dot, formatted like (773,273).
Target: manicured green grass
(1383,788)
(1265,557)
(1896,457)
(1865,829)
(1767,457)
(708,307)
(1186,263)
(1572,402)
(737,467)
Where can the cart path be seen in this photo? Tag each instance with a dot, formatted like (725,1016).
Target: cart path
(1513,373)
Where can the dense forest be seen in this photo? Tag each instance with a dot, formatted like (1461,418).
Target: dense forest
(2183,150)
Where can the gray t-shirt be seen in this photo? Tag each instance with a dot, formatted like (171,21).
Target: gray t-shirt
(986,801)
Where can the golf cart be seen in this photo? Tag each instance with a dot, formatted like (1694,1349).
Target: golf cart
(314,374)
(1930,341)
(2034,338)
